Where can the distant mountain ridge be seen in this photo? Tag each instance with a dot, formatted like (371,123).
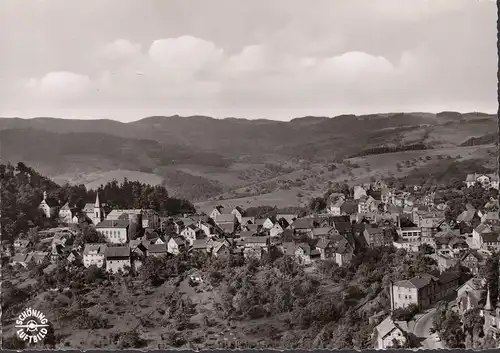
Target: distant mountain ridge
(58,146)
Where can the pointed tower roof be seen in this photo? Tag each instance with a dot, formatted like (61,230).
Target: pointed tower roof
(487,306)
(97,202)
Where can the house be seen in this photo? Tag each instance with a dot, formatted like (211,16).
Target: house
(49,206)
(217,211)
(305,255)
(476,234)
(19,259)
(367,205)
(175,245)
(221,249)
(490,218)
(256,228)
(376,236)
(56,252)
(467,215)
(238,212)
(409,234)
(303,226)
(199,245)
(157,250)
(94,211)
(430,225)
(207,228)
(117,258)
(21,245)
(490,241)
(359,192)
(349,207)
(254,246)
(67,213)
(276,230)
(326,248)
(288,217)
(225,218)
(344,252)
(335,207)
(191,233)
(247,220)
(487,181)
(115,232)
(322,232)
(267,223)
(140,247)
(422,290)
(178,226)
(74,256)
(473,260)
(390,333)
(469,294)
(94,254)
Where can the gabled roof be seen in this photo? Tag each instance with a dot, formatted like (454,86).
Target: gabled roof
(225,218)
(199,244)
(247,234)
(117,252)
(177,240)
(483,228)
(245,220)
(323,231)
(239,209)
(490,237)
(98,248)
(157,248)
(466,216)
(388,325)
(349,207)
(323,243)
(417,281)
(303,223)
(255,240)
(119,223)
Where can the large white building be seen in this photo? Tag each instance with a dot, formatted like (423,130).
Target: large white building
(93,254)
(115,232)
(487,181)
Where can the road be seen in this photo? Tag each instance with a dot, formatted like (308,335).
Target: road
(421,330)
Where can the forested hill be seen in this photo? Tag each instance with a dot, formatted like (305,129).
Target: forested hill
(22,190)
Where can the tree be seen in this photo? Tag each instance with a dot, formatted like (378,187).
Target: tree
(317,204)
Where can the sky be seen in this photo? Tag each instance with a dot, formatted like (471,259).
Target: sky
(275,59)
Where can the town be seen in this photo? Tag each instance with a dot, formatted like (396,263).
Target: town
(455,243)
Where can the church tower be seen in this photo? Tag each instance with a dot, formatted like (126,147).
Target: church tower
(98,211)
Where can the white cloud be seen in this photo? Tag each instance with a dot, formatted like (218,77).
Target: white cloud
(60,86)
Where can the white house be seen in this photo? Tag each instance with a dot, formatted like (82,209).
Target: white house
(49,206)
(94,254)
(276,230)
(389,332)
(334,208)
(217,211)
(191,233)
(175,245)
(67,213)
(238,212)
(115,232)
(117,258)
(487,181)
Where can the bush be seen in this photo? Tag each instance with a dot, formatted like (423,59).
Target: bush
(405,314)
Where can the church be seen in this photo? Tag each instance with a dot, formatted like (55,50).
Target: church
(94,211)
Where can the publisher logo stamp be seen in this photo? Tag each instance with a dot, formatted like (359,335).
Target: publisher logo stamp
(31,326)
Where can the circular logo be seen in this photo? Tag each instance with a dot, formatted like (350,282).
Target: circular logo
(32,326)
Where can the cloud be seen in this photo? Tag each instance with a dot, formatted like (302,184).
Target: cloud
(185,55)
(60,86)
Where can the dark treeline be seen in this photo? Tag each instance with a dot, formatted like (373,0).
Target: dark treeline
(386,149)
(22,191)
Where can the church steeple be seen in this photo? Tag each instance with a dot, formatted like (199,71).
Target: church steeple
(98,212)
(487,306)
(97,202)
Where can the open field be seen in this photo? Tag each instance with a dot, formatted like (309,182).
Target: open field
(95,179)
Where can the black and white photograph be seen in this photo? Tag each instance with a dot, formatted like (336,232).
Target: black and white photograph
(251,174)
